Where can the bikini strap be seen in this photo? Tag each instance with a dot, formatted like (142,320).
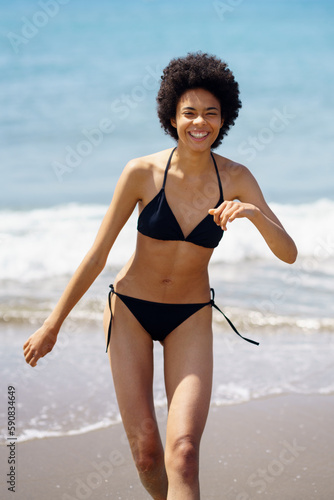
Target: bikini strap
(109,328)
(218,177)
(216,168)
(167,167)
(213,304)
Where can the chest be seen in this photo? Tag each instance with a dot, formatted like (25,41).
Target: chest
(190,201)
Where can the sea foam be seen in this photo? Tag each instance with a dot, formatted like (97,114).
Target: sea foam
(50,242)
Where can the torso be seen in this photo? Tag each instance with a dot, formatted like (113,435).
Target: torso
(174,271)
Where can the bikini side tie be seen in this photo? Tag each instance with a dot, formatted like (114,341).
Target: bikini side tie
(213,304)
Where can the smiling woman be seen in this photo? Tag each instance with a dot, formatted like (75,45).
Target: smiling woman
(198,117)
(163,292)
(203,72)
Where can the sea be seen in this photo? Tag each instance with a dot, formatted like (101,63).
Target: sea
(78,92)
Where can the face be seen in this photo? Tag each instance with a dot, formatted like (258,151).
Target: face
(198,119)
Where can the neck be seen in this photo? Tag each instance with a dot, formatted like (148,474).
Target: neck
(192,161)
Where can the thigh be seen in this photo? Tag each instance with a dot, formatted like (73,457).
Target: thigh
(188,376)
(131,360)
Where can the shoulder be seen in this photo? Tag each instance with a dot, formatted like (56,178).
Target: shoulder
(150,162)
(145,167)
(236,177)
(228,167)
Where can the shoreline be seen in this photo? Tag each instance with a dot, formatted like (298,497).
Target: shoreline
(279,448)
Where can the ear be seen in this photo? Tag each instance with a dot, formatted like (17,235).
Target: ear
(222,123)
(173,122)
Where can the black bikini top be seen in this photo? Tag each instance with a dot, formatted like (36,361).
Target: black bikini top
(157,220)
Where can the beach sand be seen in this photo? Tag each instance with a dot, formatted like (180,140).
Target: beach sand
(280,448)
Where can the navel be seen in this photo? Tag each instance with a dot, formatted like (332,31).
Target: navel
(166,282)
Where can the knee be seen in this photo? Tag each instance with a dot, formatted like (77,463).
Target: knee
(147,458)
(182,458)
(146,463)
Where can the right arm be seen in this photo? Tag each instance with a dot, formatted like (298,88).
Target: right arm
(126,195)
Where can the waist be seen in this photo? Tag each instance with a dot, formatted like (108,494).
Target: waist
(157,285)
(166,271)
(164,293)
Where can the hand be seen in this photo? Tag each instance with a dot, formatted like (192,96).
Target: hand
(39,344)
(230,210)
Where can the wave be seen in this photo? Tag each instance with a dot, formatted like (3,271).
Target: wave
(30,434)
(223,395)
(251,319)
(49,242)
(304,222)
(227,394)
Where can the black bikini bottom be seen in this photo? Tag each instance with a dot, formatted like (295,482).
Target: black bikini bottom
(160,319)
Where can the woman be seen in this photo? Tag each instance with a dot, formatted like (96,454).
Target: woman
(163,292)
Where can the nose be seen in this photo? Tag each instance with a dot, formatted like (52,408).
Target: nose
(199,120)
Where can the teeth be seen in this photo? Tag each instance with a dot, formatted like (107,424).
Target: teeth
(198,135)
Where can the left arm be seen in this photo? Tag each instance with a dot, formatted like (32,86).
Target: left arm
(253,206)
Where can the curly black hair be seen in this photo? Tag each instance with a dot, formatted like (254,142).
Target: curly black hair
(198,70)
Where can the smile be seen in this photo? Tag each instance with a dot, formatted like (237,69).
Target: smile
(198,135)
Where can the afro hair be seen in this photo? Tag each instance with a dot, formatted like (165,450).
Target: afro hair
(198,70)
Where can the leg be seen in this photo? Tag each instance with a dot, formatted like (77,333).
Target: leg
(188,378)
(131,359)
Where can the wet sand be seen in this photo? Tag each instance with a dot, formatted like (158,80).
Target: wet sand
(280,448)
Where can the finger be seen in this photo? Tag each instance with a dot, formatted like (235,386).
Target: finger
(215,213)
(223,225)
(33,362)
(26,344)
(236,214)
(31,357)
(218,210)
(26,347)
(34,359)
(225,218)
(217,216)
(26,354)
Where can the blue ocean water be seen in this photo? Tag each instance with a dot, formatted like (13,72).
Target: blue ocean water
(66,73)
(77,96)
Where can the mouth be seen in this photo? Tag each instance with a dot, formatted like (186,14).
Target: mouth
(198,135)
